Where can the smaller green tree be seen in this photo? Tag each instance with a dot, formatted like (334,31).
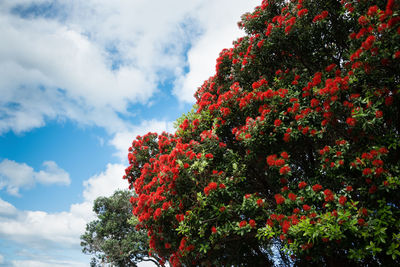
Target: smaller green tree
(112,237)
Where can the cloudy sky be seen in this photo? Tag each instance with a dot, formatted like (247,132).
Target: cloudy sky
(79,79)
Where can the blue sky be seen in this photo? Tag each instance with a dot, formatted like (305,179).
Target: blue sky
(79,79)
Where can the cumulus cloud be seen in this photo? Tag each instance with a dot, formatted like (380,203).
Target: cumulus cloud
(14,175)
(88,61)
(105,183)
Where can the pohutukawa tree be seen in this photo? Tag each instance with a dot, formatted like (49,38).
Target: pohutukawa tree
(292,150)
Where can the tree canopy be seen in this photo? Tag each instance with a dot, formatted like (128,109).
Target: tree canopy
(112,237)
(290,155)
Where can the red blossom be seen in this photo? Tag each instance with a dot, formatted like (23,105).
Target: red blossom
(302,184)
(317,187)
(285,226)
(279,199)
(372,10)
(328,195)
(302,12)
(306,207)
(277,122)
(271,160)
(242,224)
(342,200)
(367,171)
(351,122)
(284,170)
(209,156)
(292,196)
(284,155)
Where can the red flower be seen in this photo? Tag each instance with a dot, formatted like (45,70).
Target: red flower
(302,184)
(367,171)
(292,196)
(222,186)
(372,10)
(328,195)
(306,207)
(157,213)
(361,221)
(351,122)
(213,229)
(284,170)
(279,162)
(302,12)
(180,217)
(279,199)
(260,202)
(362,20)
(286,137)
(364,211)
(389,7)
(317,187)
(212,185)
(383,150)
(342,200)
(242,224)
(209,156)
(284,155)
(349,188)
(252,223)
(330,67)
(277,122)
(285,226)
(271,160)
(378,114)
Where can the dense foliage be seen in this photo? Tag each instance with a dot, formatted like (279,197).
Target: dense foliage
(291,153)
(112,238)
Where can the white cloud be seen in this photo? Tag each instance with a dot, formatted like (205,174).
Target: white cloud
(52,174)
(6,209)
(54,68)
(40,229)
(14,175)
(219,21)
(62,66)
(1,259)
(105,183)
